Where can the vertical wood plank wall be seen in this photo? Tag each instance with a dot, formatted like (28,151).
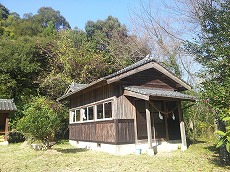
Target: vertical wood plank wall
(110,131)
(94,95)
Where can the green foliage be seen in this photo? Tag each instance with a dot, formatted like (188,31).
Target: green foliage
(15,137)
(4,12)
(41,55)
(47,14)
(43,119)
(225,135)
(21,63)
(213,53)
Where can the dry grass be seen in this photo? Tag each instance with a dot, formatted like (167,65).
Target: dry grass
(63,157)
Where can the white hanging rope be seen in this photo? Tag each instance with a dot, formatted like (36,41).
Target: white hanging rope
(164,112)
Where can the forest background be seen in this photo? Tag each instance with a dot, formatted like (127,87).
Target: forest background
(40,56)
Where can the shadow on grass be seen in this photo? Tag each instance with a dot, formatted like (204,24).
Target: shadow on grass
(193,142)
(215,159)
(71,150)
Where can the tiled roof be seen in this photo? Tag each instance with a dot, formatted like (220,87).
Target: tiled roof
(146,60)
(74,87)
(7,105)
(159,92)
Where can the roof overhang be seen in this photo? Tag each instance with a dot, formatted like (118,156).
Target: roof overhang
(7,106)
(151,93)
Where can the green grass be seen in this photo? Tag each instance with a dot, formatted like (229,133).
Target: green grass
(65,158)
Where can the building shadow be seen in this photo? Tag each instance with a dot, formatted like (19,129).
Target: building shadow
(70,150)
(193,142)
(215,159)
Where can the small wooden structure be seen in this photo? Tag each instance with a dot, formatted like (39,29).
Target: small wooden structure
(136,107)
(7,107)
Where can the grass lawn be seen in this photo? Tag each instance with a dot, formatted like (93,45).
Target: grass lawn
(63,157)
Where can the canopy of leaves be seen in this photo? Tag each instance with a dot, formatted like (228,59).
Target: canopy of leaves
(213,52)
(43,119)
(47,14)
(41,55)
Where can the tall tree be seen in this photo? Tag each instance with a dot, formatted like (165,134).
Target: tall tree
(213,52)
(111,38)
(47,14)
(4,12)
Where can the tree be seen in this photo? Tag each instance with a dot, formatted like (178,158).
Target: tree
(47,14)
(112,40)
(164,27)
(213,52)
(4,12)
(43,119)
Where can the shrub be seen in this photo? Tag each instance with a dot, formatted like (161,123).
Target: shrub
(43,118)
(15,137)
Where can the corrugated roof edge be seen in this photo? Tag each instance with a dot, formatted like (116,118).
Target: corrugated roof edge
(160,92)
(12,104)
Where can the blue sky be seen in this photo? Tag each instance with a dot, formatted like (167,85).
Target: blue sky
(77,12)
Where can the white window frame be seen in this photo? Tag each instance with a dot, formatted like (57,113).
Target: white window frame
(103,111)
(73,114)
(94,105)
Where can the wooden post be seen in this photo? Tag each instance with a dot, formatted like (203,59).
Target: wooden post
(6,127)
(166,122)
(154,131)
(182,128)
(135,121)
(149,128)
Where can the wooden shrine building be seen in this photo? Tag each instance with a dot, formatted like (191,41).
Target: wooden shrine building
(7,107)
(138,107)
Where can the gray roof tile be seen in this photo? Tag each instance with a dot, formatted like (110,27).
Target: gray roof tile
(74,87)
(146,60)
(159,92)
(7,105)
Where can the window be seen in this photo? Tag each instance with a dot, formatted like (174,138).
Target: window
(74,115)
(91,112)
(108,110)
(100,111)
(104,110)
(88,113)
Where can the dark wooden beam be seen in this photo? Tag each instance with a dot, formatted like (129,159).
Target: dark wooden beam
(6,126)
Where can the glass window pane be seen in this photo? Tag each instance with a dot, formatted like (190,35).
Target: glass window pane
(77,113)
(108,110)
(90,113)
(100,111)
(84,114)
(72,116)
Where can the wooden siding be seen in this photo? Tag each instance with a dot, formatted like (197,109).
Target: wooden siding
(150,78)
(111,131)
(125,108)
(93,95)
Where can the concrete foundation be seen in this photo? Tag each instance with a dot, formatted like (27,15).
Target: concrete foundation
(125,149)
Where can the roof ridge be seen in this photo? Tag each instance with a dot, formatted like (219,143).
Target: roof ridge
(145,60)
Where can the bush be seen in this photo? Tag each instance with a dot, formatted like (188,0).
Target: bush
(15,137)
(43,119)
